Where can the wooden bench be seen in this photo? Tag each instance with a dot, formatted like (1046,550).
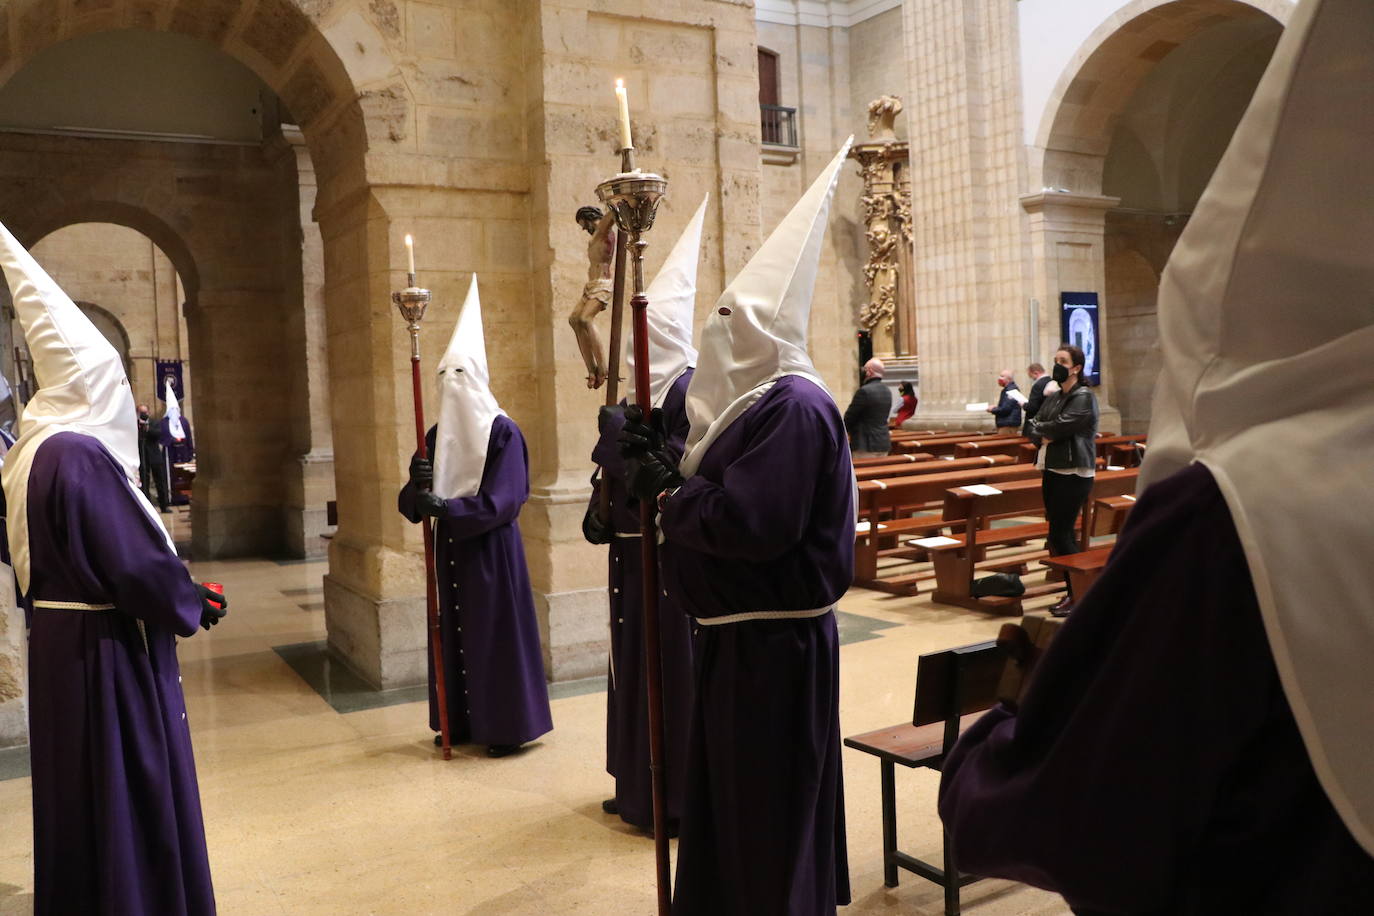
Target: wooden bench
(1081,568)
(1110,512)
(946,466)
(953,687)
(1002,445)
(961,555)
(886,513)
(885,460)
(937,445)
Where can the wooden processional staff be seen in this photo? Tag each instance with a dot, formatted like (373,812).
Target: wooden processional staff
(633,196)
(412,301)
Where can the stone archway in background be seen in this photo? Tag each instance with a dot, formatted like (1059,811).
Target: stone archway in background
(1133,131)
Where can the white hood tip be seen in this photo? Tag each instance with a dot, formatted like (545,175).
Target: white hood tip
(758,330)
(672,296)
(1266,326)
(82,389)
(173,412)
(467,408)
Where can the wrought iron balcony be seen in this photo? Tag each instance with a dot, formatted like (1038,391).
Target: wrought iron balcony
(779,125)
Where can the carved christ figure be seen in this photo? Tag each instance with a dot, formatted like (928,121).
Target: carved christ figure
(596,295)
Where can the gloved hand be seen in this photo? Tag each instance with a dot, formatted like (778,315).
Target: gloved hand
(606,414)
(431,505)
(213,606)
(650,473)
(421,473)
(594,529)
(638,437)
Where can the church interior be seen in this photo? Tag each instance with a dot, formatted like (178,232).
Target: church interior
(226,190)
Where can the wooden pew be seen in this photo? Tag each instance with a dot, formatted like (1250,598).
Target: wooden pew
(937,445)
(953,688)
(1081,568)
(908,468)
(1109,513)
(892,459)
(1001,445)
(960,556)
(886,510)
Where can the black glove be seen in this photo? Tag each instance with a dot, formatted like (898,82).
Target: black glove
(213,606)
(650,473)
(431,505)
(637,437)
(422,473)
(594,529)
(606,414)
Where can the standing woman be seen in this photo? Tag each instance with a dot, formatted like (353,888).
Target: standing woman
(1067,422)
(908,408)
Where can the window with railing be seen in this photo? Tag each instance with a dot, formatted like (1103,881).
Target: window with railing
(779,125)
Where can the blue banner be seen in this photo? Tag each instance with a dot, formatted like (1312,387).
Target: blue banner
(169,369)
(1078,326)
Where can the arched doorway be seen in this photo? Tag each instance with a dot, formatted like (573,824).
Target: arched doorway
(1135,128)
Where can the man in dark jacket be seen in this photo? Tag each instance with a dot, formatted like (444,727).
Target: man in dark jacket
(866,417)
(152,470)
(1007,413)
(1037,397)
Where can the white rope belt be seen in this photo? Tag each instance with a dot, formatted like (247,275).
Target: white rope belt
(72,606)
(622,534)
(764,615)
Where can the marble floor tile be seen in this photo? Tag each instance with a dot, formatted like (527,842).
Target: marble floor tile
(318,801)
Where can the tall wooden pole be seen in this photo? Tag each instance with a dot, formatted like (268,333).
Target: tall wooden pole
(412,303)
(613,353)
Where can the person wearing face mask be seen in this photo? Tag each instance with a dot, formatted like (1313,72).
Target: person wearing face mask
(474,487)
(1006,413)
(1066,423)
(152,468)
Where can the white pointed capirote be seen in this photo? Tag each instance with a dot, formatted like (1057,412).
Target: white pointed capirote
(1266,332)
(467,407)
(757,332)
(82,388)
(173,412)
(672,307)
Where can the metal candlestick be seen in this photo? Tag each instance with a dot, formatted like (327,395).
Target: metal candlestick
(412,302)
(633,197)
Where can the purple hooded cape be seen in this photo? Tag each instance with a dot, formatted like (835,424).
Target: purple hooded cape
(116,810)
(1154,766)
(493,661)
(766,524)
(627,702)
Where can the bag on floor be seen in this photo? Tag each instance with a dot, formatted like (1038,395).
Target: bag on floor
(999,585)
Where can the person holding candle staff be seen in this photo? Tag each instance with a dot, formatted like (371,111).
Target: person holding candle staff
(474,489)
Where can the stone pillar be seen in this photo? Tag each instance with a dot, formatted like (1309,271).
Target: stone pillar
(1067,233)
(309,467)
(967,174)
(14,720)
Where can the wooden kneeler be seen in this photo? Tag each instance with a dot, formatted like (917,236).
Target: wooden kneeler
(953,688)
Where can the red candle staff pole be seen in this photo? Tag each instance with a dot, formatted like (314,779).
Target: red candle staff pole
(412,301)
(634,196)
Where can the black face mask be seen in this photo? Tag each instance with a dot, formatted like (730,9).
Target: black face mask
(143,417)
(1060,373)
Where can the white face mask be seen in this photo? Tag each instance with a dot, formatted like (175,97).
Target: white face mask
(467,408)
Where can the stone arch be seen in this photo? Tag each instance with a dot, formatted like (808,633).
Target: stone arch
(103,318)
(1076,128)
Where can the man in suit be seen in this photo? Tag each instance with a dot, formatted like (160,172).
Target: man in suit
(866,417)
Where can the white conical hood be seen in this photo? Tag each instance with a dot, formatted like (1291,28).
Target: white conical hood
(763,338)
(672,305)
(173,413)
(1266,327)
(82,388)
(467,408)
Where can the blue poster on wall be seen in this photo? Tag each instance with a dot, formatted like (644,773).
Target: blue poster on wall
(1078,326)
(169,369)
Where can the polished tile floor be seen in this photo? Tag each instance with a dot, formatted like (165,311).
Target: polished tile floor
(324,800)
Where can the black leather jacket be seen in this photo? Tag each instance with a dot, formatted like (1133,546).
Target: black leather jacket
(1068,424)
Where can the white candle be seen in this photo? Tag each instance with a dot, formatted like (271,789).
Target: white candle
(410,253)
(624,100)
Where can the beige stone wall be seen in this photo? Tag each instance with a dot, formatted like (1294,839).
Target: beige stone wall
(122,272)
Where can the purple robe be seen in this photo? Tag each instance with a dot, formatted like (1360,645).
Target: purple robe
(493,661)
(116,810)
(627,701)
(1154,766)
(174,451)
(766,524)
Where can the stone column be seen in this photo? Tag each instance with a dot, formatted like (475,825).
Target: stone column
(967,174)
(1067,233)
(14,719)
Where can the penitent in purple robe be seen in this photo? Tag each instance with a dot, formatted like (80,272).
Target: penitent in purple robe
(1154,766)
(766,524)
(116,811)
(627,701)
(493,662)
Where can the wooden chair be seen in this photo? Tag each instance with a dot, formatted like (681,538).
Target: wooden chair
(953,688)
